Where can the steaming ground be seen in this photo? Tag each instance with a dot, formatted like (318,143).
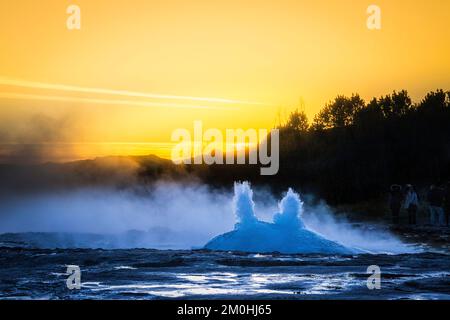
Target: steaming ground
(68,226)
(168,215)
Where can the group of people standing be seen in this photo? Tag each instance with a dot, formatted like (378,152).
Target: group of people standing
(438,199)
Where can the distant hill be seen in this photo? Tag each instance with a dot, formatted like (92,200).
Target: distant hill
(114,171)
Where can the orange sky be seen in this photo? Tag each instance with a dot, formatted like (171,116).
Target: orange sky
(138,69)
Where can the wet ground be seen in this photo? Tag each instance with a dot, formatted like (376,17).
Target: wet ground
(32,273)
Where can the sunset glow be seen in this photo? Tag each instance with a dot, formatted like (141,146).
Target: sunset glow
(137,70)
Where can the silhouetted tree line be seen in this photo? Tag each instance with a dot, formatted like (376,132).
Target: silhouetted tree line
(353,151)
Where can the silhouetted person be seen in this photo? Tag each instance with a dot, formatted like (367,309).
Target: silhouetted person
(447,203)
(411,203)
(395,202)
(436,201)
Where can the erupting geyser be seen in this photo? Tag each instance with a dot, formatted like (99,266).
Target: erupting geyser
(287,233)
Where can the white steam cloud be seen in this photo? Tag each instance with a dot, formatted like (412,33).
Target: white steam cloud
(170,215)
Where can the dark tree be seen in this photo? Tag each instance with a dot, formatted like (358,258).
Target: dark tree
(298,121)
(395,105)
(339,113)
(435,100)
